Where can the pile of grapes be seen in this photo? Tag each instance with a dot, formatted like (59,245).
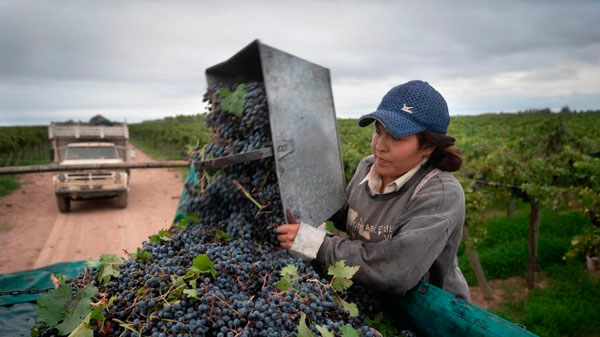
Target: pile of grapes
(221,272)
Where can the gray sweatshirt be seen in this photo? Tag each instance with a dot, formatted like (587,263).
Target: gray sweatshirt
(398,238)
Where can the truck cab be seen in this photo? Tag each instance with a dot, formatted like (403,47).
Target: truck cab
(76,144)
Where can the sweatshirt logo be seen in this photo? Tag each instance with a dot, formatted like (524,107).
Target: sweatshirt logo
(407,109)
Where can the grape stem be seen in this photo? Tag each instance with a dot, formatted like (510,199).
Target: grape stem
(248,195)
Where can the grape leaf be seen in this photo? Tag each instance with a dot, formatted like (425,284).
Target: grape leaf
(342,275)
(52,306)
(339,269)
(383,325)
(350,307)
(303,329)
(223,236)
(189,217)
(288,274)
(108,265)
(233,102)
(283,284)
(96,314)
(77,309)
(202,264)
(324,331)
(289,270)
(141,255)
(162,235)
(82,331)
(192,293)
(348,331)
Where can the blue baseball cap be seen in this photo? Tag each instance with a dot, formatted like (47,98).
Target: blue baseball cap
(410,108)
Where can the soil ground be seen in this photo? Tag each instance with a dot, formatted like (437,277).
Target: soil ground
(33,233)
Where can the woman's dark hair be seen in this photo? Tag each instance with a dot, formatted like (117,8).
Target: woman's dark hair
(444,157)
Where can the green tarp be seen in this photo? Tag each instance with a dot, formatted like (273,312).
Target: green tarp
(18,312)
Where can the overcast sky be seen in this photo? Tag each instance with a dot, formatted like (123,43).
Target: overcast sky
(136,60)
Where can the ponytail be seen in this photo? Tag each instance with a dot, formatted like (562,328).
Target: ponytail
(444,157)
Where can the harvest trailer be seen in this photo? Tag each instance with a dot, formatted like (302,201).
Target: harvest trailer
(75,144)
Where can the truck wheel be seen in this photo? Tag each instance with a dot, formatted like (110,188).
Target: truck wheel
(64,204)
(122,200)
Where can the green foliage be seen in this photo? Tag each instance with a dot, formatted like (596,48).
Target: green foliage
(162,235)
(233,102)
(303,330)
(289,274)
(141,255)
(66,308)
(586,244)
(24,145)
(504,251)
(348,331)
(108,266)
(201,265)
(349,307)
(168,140)
(222,236)
(189,218)
(8,184)
(383,324)
(342,275)
(562,309)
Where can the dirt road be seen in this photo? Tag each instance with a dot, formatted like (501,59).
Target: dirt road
(33,233)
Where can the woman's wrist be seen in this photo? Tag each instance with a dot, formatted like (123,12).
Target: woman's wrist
(307,242)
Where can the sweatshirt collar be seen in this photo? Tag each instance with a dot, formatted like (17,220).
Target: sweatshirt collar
(374,180)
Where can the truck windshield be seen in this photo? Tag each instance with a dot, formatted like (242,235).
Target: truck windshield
(103,152)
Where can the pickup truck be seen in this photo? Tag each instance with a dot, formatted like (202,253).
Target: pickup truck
(79,185)
(74,144)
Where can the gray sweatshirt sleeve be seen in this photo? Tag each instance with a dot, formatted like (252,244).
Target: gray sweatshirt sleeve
(398,264)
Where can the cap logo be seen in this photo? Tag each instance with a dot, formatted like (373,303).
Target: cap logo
(407,109)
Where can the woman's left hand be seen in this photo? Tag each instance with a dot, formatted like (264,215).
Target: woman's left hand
(286,234)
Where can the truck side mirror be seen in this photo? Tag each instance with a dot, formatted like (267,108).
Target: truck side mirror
(131,153)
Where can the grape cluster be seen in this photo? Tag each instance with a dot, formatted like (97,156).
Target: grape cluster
(241,298)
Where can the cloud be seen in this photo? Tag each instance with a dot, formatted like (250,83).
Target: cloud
(151,56)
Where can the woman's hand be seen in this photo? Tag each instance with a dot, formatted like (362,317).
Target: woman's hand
(286,234)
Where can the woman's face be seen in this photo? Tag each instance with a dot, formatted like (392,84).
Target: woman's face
(395,156)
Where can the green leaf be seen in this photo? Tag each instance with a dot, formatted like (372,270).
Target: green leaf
(52,306)
(348,331)
(233,102)
(383,325)
(303,330)
(111,301)
(202,264)
(162,235)
(108,266)
(350,307)
(289,270)
(289,274)
(339,269)
(341,275)
(340,284)
(191,293)
(82,331)
(96,314)
(324,331)
(141,255)
(140,291)
(177,282)
(223,236)
(189,217)
(283,284)
(78,308)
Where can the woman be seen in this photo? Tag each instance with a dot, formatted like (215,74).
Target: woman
(405,211)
